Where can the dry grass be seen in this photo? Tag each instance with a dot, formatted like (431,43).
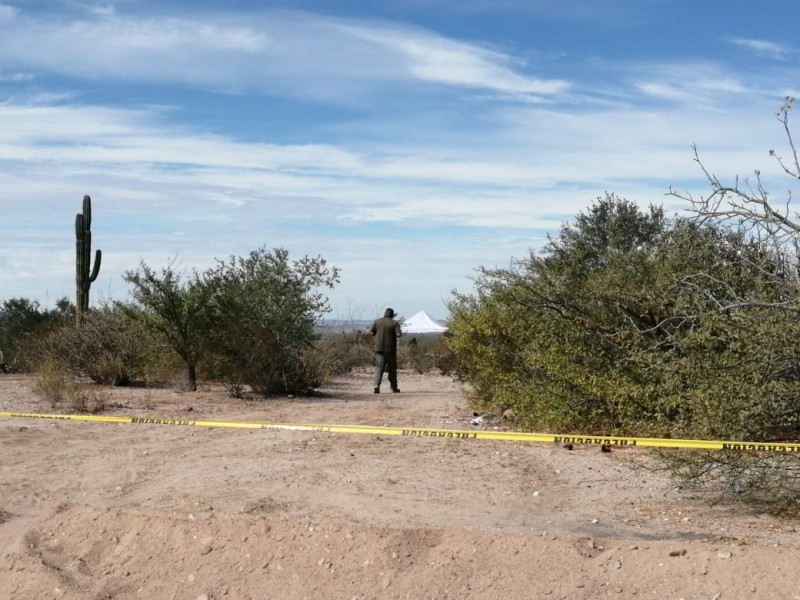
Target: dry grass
(54,385)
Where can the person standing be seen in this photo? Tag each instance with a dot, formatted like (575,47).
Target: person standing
(386,331)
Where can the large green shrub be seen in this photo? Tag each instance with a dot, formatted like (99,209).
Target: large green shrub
(266,307)
(628,323)
(249,321)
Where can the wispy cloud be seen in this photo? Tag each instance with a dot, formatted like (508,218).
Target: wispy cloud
(763,48)
(7,12)
(436,59)
(269,52)
(698,83)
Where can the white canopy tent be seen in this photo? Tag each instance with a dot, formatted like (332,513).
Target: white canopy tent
(421,323)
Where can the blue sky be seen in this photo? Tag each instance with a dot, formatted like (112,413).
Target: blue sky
(407,142)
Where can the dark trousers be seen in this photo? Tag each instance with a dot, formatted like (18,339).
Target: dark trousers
(386,362)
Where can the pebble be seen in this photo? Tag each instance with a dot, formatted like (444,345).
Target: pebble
(724,555)
(614,565)
(680,552)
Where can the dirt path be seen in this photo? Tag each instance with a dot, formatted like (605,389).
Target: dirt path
(93,510)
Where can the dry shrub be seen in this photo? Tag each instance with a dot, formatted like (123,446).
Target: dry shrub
(54,385)
(84,398)
(423,353)
(50,383)
(768,480)
(339,353)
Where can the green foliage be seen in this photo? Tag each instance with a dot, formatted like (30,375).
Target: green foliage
(630,324)
(21,320)
(265,309)
(179,311)
(249,321)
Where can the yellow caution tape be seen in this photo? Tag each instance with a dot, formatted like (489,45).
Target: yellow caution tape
(509,436)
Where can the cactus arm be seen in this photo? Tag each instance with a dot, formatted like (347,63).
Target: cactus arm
(96,268)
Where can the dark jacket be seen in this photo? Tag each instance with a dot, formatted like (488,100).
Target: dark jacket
(386,331)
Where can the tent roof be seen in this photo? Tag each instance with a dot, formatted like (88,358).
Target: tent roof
(422,323)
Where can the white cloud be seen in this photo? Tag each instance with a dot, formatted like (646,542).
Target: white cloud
(270,51)
(15,77)
(7,12)
(697,84)
(436,59)
(763,48)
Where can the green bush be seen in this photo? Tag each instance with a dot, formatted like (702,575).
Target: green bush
(620,327)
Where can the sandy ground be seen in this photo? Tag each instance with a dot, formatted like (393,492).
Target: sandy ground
(98,510)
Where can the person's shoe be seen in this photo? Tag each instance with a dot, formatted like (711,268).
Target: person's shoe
(395,390)
(376,391)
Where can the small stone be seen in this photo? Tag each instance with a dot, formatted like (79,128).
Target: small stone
(614,565)
(724,555)
(680,552)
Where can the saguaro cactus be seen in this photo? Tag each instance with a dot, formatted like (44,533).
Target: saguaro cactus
(83,256)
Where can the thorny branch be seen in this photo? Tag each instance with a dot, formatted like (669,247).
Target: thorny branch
(745,206)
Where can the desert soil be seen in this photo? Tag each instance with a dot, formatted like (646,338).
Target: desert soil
(131,511)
